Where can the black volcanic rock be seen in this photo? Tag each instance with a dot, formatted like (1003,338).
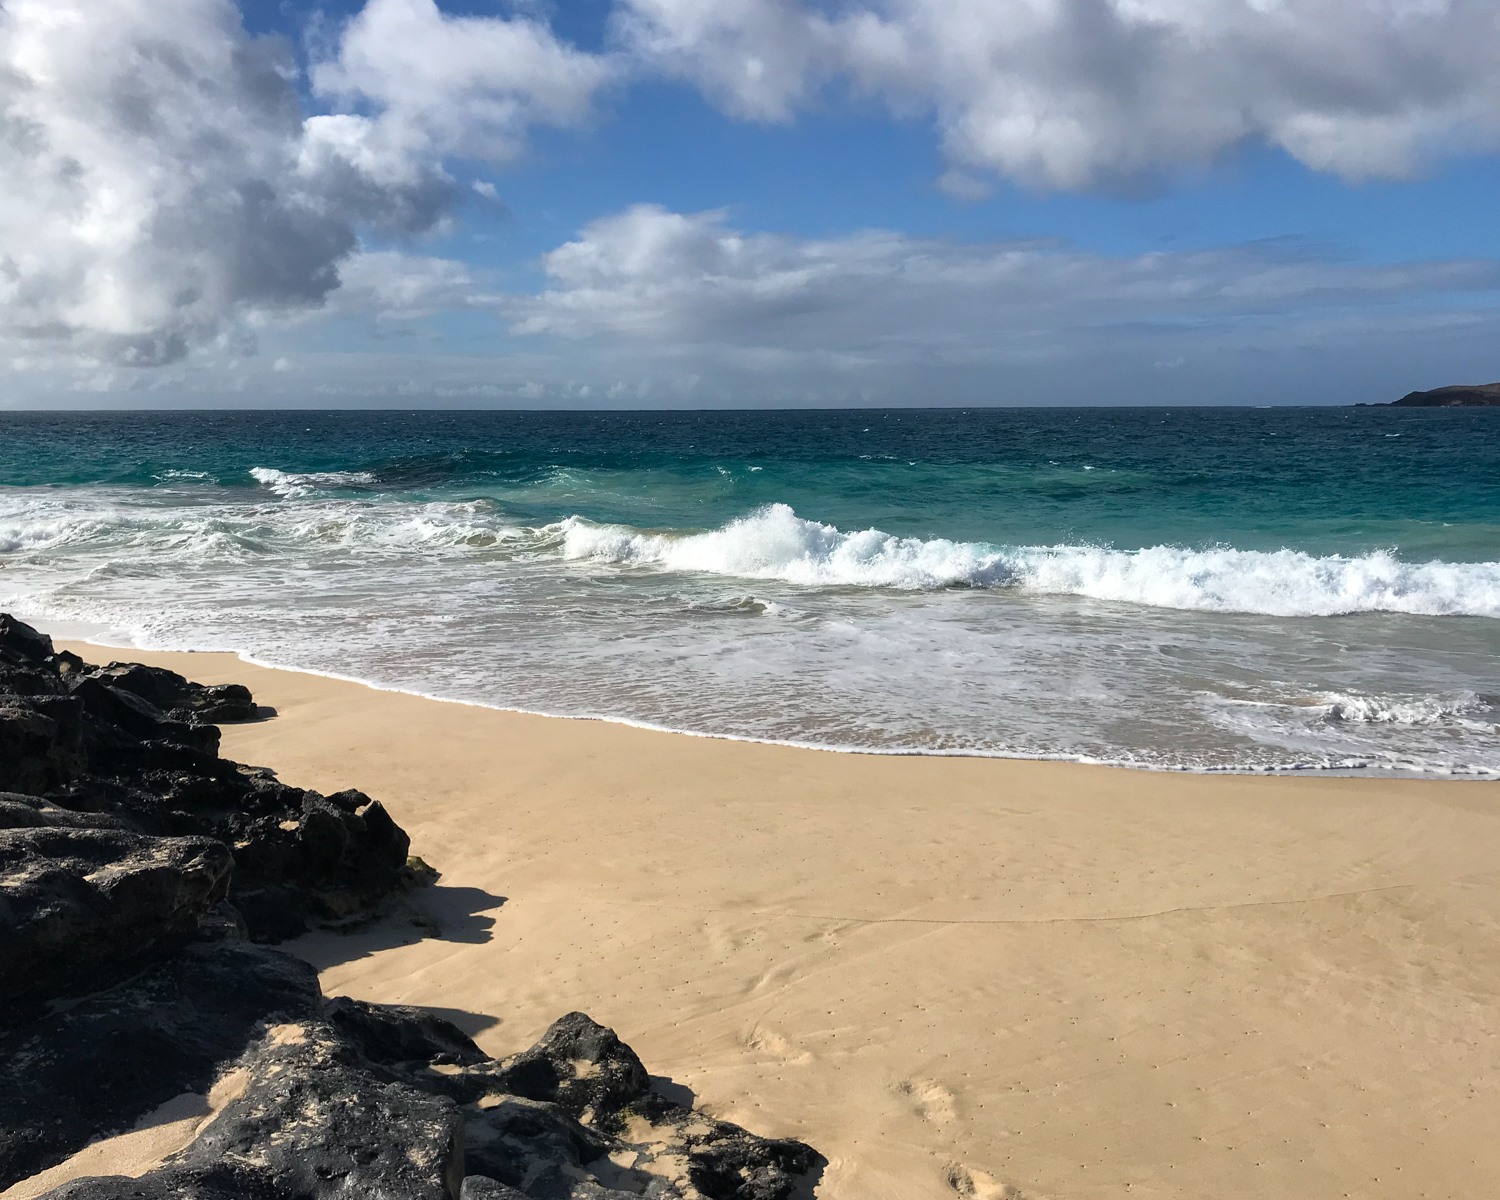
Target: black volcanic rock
(21,644)
(583,1068)
(342,1098)
(41,743)
(77,902)
(180,698)
(583,1091)
(1483,395)
(313,1121)
(102,1061)
(135,742)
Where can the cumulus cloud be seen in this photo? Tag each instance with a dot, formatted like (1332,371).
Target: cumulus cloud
(163,185)
(1080,93)
(392,285)
(448,85)
(137,210)
(172,182)
(759,59)
(670,280)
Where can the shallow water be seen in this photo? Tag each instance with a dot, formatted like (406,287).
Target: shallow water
(1200,589)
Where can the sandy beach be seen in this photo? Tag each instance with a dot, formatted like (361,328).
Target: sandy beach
(959,977)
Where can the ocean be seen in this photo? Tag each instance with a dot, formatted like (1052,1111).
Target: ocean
(1193,589)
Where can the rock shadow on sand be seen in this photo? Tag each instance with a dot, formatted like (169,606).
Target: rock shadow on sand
(472,1023)
(447,914)
(673,1092)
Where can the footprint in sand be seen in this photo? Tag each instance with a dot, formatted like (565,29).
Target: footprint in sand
(930,1100)
(769,1042)
(974,1184)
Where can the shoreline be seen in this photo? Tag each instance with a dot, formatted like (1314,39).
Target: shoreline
(102,641)
(952,975)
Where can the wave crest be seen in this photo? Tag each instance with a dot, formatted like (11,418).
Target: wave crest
(292,485)
(775,543)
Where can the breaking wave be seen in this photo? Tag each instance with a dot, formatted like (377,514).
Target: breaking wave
(292,485)
(775,543)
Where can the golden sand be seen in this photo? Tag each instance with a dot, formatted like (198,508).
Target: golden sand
(954,977)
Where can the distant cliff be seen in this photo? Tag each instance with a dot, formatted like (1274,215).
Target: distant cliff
(1459,396)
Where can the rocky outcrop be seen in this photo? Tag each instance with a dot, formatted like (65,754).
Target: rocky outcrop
(1482,395)
(134,862)
(340,1098)
(79,901)
(136,743)
(102,1060)
(179,698)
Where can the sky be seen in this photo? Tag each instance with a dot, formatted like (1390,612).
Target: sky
(739,203)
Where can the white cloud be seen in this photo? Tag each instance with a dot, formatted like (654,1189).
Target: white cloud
(450,85)
(392,285)
(690,281)
(137,211)
(164,188)
(1079,93)
(756,58)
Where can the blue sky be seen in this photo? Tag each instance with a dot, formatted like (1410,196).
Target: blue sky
(638,202)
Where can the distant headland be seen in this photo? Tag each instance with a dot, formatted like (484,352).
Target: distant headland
(1462,395)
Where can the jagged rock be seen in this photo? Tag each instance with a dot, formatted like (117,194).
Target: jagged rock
(94,1066)
(309,1123)
(21,644)
(132,742)
(479,1187)
(41,747)
(19,811)
(583,1068)
(531,1146)
(140,718)
(179,698)
(726,1162)
(348,1098)
(407,1041)
(313,1121)
(600,1100)
(77,902)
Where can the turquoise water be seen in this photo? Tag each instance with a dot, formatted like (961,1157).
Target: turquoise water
(1188,588)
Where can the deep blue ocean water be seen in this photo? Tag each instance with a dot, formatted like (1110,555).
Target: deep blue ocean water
(1190,588)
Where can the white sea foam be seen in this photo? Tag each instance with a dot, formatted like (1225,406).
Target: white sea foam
(668,629)
(24,533)
(293,486)
(774,543)
(770,544)
(1466,709)
(171,475)
(34,525)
